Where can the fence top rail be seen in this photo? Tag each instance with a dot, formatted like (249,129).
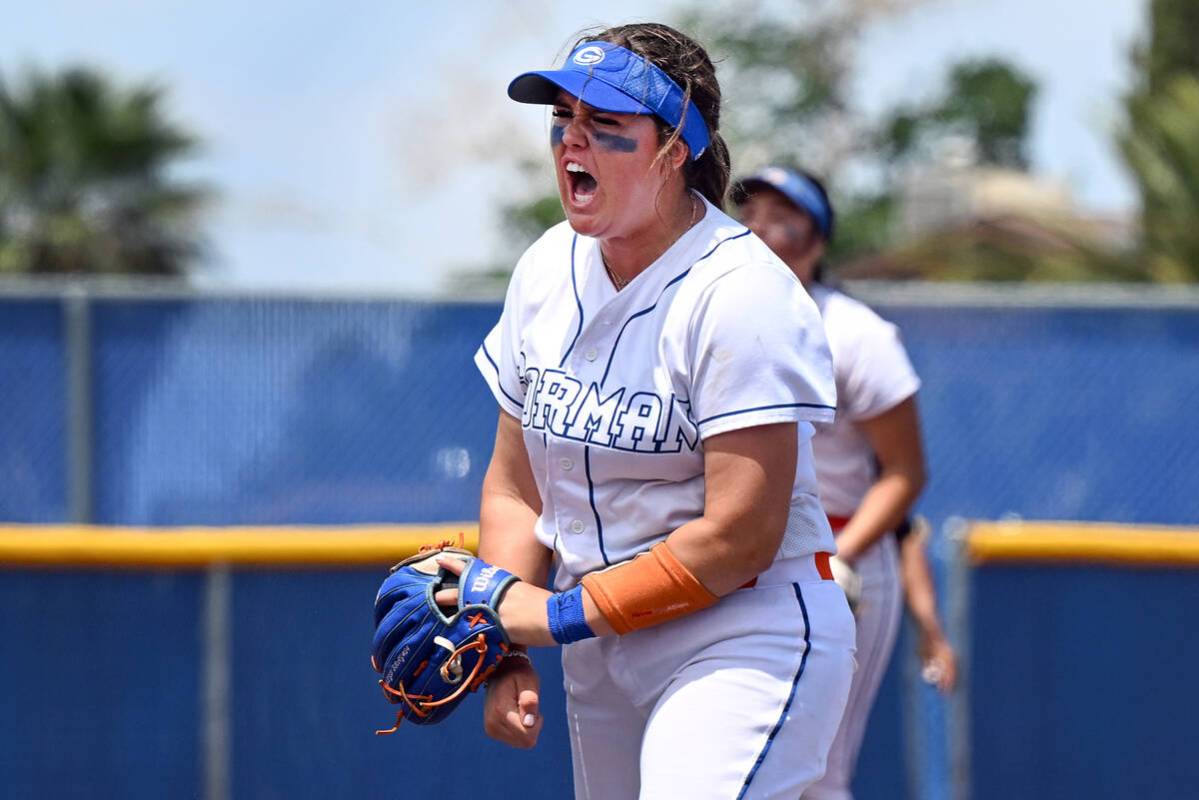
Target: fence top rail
(283,547)
(1025,295)
(1023,543)
(882,293)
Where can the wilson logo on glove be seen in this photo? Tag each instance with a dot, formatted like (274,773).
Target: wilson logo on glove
(479,584)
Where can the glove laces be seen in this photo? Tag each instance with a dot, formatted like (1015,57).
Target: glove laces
(451,672)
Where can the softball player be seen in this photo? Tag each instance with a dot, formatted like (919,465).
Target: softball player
(659,372)
(869,461)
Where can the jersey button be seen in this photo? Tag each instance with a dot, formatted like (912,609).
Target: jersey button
(577,526)
(566,464)
(591,354)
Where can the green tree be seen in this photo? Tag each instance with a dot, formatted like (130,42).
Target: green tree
(1171,49)
(84,183)
(987,101)
(784,72)
(1160,141)
(1161,145)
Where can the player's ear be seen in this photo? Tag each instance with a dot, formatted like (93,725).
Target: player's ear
(678,154)
(671,159)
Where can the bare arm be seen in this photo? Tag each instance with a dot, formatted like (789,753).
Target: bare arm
(936,654)
(508,510)
(510,506)
(894,436)
(918,585)
(748,477)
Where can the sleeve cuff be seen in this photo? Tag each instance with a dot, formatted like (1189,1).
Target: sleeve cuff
(491,373)
(885,404)
(764,415)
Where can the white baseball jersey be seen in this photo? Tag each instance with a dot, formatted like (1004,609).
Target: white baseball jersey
(616,391)
(873,375)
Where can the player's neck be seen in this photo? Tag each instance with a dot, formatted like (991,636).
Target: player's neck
(629,256)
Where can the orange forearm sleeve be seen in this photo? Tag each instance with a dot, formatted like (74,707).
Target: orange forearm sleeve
(651,589)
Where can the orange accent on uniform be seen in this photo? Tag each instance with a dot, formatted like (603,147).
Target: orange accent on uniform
(653,588)
(823,568)
(837,523)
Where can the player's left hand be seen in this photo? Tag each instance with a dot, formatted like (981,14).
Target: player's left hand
(522,611)
(511,712)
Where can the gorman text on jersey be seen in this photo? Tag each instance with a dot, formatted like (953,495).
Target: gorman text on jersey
(636,421)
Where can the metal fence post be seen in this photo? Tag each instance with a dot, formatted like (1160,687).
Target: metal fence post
(958,612)
(215,729)
(79,407)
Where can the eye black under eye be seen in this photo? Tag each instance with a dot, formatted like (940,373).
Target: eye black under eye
(562,113)
(606,121)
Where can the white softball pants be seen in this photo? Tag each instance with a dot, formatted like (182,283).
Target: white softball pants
(741,700)
(877,626)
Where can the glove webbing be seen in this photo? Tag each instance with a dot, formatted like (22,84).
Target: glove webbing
(421,704)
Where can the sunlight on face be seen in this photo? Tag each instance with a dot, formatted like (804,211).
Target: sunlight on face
(609,176)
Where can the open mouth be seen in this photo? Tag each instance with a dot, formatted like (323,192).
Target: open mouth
(582,184)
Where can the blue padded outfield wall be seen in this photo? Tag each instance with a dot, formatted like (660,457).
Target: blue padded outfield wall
(273,411)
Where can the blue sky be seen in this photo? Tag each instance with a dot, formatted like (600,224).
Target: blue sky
(367,145)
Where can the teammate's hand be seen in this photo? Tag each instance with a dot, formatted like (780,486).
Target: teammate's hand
(940,663)
(511,712)
(522,611)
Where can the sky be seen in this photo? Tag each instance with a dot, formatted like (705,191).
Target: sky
(367,146)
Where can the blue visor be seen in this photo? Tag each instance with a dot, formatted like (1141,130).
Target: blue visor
(797,188)
(610,78)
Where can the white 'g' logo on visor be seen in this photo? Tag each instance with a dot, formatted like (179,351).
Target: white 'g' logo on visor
(589,55)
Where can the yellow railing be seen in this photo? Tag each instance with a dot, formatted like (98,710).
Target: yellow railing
(353,545)
(1080,542)
(334,546)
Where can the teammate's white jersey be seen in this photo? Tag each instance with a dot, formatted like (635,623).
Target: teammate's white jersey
(873,375)
(616,391)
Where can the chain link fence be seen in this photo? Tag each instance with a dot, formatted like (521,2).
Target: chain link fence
(176,407)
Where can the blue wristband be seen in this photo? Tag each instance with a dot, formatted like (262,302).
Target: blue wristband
(565,611)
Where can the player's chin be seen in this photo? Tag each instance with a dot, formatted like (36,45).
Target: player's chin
(588,219)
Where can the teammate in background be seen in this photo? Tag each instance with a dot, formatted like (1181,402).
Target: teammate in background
(658,372)
(869,461)
(939,662)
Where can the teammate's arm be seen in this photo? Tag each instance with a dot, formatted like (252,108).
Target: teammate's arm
(936,654)
(894,436)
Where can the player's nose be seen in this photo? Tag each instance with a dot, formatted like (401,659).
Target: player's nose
(573,134)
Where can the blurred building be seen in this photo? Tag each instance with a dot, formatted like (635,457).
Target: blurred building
(960,220)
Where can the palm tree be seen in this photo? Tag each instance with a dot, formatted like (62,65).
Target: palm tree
(83,179)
